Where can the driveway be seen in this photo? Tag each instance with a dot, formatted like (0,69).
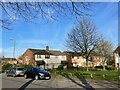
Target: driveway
(56,82)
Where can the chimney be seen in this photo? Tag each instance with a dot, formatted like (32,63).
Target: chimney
(47,48)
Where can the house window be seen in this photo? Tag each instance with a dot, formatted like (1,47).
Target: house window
(56,56)
(63,57)
(77,57)
(47,56)
(26,58)
(72,56)
(38,56)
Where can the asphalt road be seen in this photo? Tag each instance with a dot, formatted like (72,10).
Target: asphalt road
(55,82)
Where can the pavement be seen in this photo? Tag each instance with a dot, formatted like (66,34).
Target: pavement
(56,82)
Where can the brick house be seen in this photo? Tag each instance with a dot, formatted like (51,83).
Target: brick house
(99,61)
(47,59)
(117,57)
(75,59)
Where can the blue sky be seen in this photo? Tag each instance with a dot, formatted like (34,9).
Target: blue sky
(39,34)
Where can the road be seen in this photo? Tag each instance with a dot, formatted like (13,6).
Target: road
(55,82)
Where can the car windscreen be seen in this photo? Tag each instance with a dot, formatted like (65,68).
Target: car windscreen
(20,68)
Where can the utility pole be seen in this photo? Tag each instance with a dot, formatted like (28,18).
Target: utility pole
(13,50)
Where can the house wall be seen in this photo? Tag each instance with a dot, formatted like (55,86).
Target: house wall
(53,62)
(20,60)
(116,59)
(52,59)
(99,60)
(77,61)
(28,58)
(74,61)
(69,60)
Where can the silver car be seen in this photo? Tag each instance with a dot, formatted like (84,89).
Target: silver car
(15,71)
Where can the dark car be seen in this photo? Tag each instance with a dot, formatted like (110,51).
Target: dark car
(15,71)
(36,73)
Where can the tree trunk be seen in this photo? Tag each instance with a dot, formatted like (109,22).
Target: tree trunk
(103,65)
(87,64)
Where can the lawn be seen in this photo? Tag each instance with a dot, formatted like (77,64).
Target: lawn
(97,75)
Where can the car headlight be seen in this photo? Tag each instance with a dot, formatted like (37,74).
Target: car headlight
(41,74)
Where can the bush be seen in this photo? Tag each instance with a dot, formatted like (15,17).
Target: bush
(24,65)
(110,68)
(99,67)
(92,69)
(60,67)
(82,68)
(6,67)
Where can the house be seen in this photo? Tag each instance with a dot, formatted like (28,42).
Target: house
(19,60)
(9,60)
(47,59)
(117,57)
(75,59)
(99,60)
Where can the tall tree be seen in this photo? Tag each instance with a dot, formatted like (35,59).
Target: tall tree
(83,38)
(12,11)
(105,49)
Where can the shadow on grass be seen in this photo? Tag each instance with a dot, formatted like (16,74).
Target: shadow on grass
(83,80)
(25,85)
(84,84)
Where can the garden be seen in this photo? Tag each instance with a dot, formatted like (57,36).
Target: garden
(110,74)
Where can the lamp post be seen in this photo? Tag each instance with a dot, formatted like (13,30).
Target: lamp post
(13,50)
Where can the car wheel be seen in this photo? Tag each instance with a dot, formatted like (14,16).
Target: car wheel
(14,75)
(7,75)
(25,76)
(42,77)
(36,77)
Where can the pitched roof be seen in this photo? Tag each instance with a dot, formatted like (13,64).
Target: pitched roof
(8,59)
(73,53)
(47,52)
(117,49)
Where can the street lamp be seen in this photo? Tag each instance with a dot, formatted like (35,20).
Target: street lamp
(13,49)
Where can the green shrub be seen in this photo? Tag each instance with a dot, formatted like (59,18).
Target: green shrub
(24,65)
(82,68)
(93,69)
(6,67)
(110,68)
(27,66)
(60,67)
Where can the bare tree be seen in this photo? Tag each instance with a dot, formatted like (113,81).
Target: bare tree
(105,49)
(83,38)
(12,11)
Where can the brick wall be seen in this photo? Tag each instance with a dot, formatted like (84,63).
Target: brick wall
(30,57)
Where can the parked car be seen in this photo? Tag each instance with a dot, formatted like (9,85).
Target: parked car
(15,71)
(37,73)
